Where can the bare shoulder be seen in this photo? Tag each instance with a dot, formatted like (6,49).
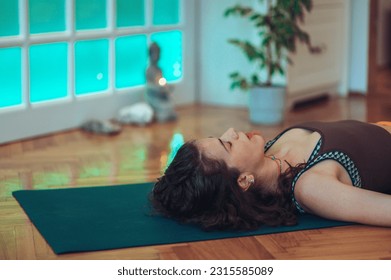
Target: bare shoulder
(307,187)
(327,170)
(318,187)
(320,192)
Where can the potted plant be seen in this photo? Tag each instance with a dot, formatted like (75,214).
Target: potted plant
(278,31)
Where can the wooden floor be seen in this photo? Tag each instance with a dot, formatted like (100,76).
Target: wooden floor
(139,154)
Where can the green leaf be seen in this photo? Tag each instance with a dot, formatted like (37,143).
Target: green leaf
(228,11)
(254,79)
(246,11)
(238,10)
(234,41)
(248,48)
(234,75)
(255,17)
(266,40)
(280,69)
(234,85)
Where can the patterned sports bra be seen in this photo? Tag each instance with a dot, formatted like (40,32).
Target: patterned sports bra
(317,157)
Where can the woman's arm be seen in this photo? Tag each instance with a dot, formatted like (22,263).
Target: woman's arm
(324,195)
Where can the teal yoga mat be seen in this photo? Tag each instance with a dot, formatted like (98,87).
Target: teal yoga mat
(112,217)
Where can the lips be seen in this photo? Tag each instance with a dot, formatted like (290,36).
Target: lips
(252,133)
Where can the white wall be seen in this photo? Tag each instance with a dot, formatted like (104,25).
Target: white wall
(359,36)
(217,57)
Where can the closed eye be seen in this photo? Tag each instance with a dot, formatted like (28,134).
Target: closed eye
(224,144)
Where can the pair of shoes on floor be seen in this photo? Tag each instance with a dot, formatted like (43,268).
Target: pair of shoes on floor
(101,127)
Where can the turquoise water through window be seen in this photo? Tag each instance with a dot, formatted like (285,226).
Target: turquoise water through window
(166,12)
(130,13)
(9,18)
(48,72)
(46,16)
(130,60)
(90,14)
(10,77)
(43,66)
(170,43)
(91,66)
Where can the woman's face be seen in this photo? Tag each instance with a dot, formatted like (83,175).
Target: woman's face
(243,151)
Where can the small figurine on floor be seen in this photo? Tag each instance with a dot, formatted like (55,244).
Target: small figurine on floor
(140,114)
(158,93)
(105,127)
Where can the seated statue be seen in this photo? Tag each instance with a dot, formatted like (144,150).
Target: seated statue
(158,93)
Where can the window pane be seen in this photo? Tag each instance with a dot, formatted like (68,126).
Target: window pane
(91,63)
(170,53)
(90,14)
(9,19)
(130,60)
(10,77)
(46,16)
(165,12)
(48,72)
(130,13)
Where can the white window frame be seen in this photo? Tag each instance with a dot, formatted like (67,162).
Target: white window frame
(29,120)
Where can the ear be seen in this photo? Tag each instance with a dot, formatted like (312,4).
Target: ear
(245,180)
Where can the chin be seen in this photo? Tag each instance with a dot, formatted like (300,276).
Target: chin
(259,139)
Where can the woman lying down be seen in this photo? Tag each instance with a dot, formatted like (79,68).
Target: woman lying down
(336,170)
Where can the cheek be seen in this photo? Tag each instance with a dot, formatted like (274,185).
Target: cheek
(245,161)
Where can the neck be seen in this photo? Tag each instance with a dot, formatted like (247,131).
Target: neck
(270,173)
(278,162)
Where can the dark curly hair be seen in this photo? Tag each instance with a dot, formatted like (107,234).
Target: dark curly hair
(204,191)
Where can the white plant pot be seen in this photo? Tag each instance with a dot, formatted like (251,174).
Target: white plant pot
(267,105)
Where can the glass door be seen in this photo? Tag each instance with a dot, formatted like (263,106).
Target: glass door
(63,62)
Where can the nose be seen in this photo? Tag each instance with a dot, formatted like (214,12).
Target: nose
(229,135)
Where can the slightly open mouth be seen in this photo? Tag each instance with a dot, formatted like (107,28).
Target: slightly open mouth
(249,135)
(252,133)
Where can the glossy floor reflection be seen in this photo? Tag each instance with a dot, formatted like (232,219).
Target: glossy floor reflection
(138,154)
